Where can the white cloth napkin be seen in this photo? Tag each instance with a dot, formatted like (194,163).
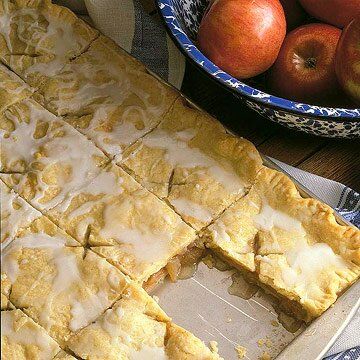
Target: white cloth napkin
(143,36)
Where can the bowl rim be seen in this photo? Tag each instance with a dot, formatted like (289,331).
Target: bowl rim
(236,86)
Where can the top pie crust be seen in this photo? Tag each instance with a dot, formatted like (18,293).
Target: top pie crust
(193,163)
(292,245)
(136,328)
(125,223)
(37,37)
(62,286)
(52,157)
(16,214)
(104,75)
(22,338)
(12,88)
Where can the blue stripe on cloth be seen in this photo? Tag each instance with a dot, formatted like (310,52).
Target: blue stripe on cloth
(351,354)
(349,206)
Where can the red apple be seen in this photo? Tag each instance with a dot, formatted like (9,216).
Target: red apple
(294,13)
(347,60)
(242,37)
(335,12)
(305,70)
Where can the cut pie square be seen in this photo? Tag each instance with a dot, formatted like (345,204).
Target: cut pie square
(38,37)
(12,89)
(124,223)
(192,162)
(291,246)
(16,214)
(52,157)
(58,283)
(106,75)
(136,328)
(22,338)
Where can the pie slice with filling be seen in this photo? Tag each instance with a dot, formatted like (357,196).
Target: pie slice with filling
(58,283)
(136,328)
(124,223)
(291,246)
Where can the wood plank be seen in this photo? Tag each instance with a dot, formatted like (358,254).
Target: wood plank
(291,147)
(339,160)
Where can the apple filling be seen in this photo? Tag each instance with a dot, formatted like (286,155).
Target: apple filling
(181,266)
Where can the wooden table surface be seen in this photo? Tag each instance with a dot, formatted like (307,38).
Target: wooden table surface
(335,159)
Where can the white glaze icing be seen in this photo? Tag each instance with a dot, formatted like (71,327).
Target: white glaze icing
(143,243)
(28,334)
(21,144)
(58,39)
(111,324)
(189,208)
(148,353)
(306,263)
(14,217)
(180,154)
(269,217)
(86,311)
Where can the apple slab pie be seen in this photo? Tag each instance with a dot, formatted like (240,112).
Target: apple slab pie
(108,179)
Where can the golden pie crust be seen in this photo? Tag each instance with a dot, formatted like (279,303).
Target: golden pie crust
(136,327)
(124,223)
(16,214)
(192,162)
(58,283)
(38,37)
(291,246)
(12,89)
(22,338)
(108,177)
(46,157)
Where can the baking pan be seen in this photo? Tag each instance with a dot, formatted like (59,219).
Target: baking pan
(251,327)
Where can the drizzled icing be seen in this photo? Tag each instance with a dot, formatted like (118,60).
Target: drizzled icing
(15,213)
(21,144)
(85,311)
(180,154)
(110,323)
(67,273)
(304,265)
(106,183)
(189,208)
(68,160)
(123,132)
(11,83)
(148,352)
(28,334)
(269,217)
(92,81)
(58,40)
(305,261)
(31,241)
(146,245)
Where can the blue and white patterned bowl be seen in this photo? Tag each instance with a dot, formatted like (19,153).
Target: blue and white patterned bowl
(182,18)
